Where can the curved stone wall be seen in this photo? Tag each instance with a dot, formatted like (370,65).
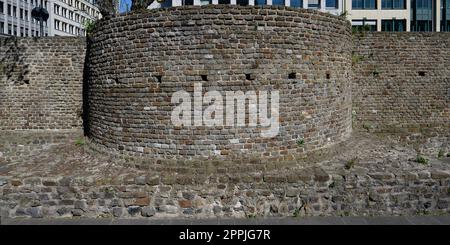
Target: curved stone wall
(137,62)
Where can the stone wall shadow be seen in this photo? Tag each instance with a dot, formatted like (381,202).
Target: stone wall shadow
(85,91)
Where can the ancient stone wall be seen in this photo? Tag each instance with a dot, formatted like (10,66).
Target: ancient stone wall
(138,61)
(401,80)
(41,83)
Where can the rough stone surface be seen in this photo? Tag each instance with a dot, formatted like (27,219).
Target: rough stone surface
(137,66)
(401,80)
(385,180)
(41,82)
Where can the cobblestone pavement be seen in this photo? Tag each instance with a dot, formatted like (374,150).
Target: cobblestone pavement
(368,175)
(411,220)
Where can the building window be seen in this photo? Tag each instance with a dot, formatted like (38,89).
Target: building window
(393,25)
(393,4)
(332,4)
(26,32)
(2,27)
(26,14)
(14,11)
(15,30)
(260,2)
(21,14)
(9,29)
(242,2)
(364,25)
(314,4)
(165,4)
(9,10)
(224,2)
(188,2)
(278,2)
(422,15)
(445,15)
(364,4)
(1,8)
(297,3)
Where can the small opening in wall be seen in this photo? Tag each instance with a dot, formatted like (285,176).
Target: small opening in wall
(421,73)
(158,78)
(204,77)
(249,77)
(292,75)
(328,75)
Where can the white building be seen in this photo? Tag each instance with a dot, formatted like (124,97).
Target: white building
(331,6)
(66,17)
(371,15)
(400,15)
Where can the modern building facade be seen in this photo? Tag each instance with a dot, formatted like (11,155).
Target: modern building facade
(399,15)
(370,15)
(66,17)
(331,6)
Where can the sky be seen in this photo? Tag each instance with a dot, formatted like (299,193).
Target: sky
(123,5)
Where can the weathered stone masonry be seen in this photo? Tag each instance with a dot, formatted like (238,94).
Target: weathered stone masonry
(135,63)
(41,83)
(402,80)
(138,61)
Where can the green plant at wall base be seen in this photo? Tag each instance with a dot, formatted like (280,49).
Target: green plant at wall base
(251,216)
(296,212)
(448,154)
(88,26)
(441,153)
(422,160)
(300,142)
(344,14)
(350,163)
(356,58)
(80,142)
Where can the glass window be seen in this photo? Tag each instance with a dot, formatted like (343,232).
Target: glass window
(1,8)
(297,3)
(2,27)
(278,2)
(332,4)
(224,2)
(166,4)
(242,2)
(314,4)
(188,2)
(364,25)
(364,4)
(393,25)
(421,15)
(393,4)
(260,2)
(445,15)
